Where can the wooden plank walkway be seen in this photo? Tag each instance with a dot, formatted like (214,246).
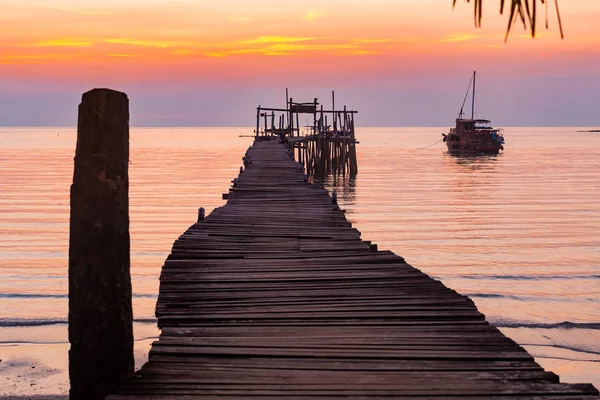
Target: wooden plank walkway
(275,296)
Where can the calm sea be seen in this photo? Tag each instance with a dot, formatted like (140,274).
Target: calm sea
(518,232)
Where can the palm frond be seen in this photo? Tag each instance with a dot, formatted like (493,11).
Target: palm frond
(525,10)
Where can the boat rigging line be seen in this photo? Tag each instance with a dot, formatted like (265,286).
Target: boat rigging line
(461,113)
(420,148)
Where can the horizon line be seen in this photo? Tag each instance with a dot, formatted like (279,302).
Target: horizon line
(251,127)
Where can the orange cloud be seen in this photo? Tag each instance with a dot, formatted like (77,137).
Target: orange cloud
(122,55)
(459,37)
(371,40)
(365,52)
(63,43)
(275,39)
(289,45)
(20,59)
(145,43)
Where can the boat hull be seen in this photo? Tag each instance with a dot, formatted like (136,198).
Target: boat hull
(474,142)
(458,148)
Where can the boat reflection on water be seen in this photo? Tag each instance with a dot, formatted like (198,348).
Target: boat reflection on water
(473,177)
(474,161)
(468,163)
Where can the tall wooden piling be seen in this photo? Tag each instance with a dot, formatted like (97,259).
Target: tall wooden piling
(100,313)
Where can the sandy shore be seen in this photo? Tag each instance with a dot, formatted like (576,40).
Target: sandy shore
(48,397)
(34,369)
(40,371)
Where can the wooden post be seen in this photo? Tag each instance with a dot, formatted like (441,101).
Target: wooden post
(354,163)
(257,120)
(298,123)
(344,144)
(287,105)
(291,118)
(100,314)
(314,129)
(333,109)
(265,131)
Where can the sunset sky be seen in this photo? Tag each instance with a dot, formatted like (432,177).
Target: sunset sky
(207,63)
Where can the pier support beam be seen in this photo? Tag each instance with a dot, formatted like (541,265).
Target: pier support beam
(100,313)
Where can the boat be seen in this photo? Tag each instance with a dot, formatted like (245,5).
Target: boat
(473,136)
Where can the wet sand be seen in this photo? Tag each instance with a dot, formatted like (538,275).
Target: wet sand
(48,397)
(34,369)
(40,371)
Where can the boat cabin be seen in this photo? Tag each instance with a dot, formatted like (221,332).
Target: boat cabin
(473,124)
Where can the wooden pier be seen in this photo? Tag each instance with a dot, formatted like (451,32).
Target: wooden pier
(325,145)
(275,295)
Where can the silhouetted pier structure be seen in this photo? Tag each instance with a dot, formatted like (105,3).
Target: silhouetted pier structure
(274,295)
(326,145)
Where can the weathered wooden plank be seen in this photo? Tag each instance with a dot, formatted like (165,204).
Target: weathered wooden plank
(470,388)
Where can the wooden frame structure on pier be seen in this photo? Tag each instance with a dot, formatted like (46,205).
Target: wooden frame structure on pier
(328,146)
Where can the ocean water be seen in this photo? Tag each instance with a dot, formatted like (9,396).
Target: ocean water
(518,232)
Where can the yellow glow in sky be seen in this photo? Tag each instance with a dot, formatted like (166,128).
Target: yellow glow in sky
(167,31)
(384,45)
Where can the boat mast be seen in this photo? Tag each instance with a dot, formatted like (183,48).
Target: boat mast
(462,107)
(473,99)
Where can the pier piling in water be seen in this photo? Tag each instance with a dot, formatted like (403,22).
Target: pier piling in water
(100,311)
(322,148)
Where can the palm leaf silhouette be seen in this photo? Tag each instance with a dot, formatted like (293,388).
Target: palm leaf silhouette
(524,10)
